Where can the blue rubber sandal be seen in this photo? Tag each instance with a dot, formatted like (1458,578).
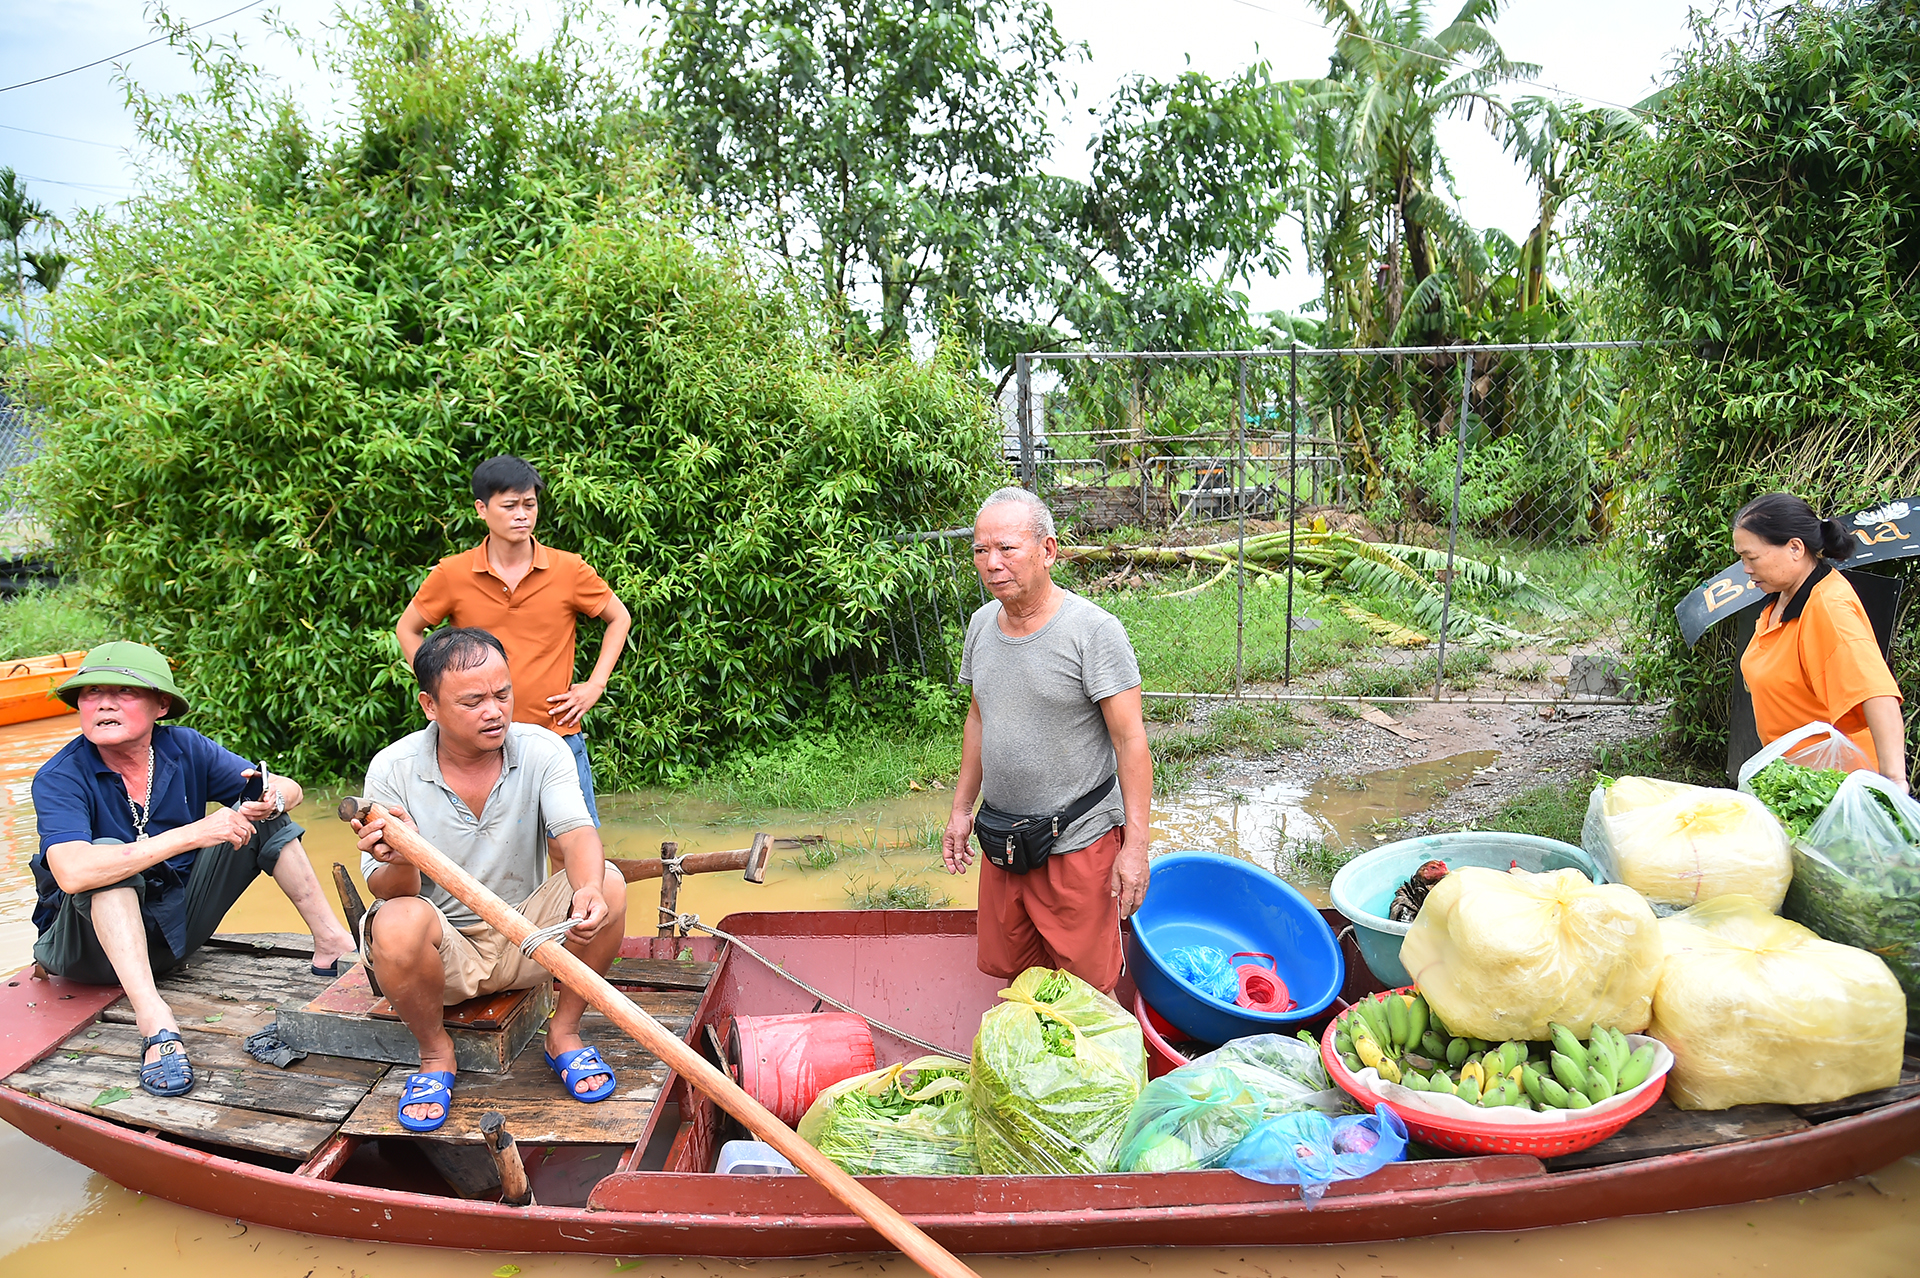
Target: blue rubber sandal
(169,1074)
(583,1062)
(434,1087)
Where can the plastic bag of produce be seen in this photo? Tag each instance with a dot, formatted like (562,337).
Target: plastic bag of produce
(1814,745)
(1856,877)
(1759,1010)
(1498,955)
(905,1120)
(1312,1151)
(1678,844)
(1194,1116)
(1056,1070)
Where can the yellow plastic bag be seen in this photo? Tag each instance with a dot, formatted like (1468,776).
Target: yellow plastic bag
(1499,955)
(1759,1010)
(1679,844)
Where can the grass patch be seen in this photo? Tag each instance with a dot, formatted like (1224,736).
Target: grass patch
(1187,645)
(57,619)
(1546,811)
(901,894)
(828,770)
(1230,729)
(1311,860)
(816,856)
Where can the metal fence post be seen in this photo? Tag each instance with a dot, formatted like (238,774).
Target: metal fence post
(1293,444)
(1023,418)
(1240,500)
(1453,524)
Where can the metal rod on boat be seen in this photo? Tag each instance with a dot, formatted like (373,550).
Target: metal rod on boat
(682,1059)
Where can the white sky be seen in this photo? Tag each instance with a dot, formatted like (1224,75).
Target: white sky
(1614,53)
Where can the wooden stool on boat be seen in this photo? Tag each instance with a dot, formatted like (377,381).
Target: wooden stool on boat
(349,1019)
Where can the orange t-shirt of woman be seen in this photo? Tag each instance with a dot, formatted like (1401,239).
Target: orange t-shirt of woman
(1814,658)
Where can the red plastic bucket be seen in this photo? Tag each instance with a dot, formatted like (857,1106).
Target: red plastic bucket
(1162,1057)
(785,1061)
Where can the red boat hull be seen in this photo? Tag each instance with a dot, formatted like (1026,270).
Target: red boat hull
(749,1216)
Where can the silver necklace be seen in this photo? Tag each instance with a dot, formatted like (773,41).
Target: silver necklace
(142,810)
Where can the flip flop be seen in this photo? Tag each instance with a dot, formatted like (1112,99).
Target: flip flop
(583,1062)
(169,1074)
(434,1087)
(334,970)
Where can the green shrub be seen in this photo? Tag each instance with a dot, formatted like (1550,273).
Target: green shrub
(61,619)
(1766,233)
(264,398)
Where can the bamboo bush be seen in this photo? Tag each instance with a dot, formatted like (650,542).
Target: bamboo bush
(265,397)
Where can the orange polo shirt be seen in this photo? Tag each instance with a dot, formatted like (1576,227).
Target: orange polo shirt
(1814,658)
(534,622)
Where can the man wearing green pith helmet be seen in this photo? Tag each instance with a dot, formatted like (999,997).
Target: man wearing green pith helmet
(133,873)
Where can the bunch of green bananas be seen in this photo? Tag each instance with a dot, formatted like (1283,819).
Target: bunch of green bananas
(1405,1042)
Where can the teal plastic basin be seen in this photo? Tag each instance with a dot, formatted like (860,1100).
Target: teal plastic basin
(1363,889)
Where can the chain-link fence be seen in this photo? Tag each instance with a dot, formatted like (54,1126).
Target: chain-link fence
(1400,524)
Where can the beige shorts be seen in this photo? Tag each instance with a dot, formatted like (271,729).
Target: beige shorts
(481,960)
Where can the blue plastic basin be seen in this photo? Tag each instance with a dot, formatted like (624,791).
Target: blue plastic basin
(1363,889)
(1201,898)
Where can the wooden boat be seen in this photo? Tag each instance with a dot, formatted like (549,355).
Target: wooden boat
(26,686)
(314,1147)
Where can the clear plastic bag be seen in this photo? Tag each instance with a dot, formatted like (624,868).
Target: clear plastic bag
(1498,956)
(1056,1070)
(1857,876)
(1759,1010)
(1193,1117)
(1207,969)
(1678,844)
(1312,1151)
(906,1120)
(1813,745)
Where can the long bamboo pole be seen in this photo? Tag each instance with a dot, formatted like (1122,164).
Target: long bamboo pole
(689,1064)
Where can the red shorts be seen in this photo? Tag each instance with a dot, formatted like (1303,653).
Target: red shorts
(1063,914)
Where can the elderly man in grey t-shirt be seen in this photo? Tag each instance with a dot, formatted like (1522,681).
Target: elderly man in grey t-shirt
(1054,730)
(490,794)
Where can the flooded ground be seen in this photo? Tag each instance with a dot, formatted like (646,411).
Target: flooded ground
(63,1218)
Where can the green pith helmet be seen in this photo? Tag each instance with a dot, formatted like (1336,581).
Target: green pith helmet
(124,665)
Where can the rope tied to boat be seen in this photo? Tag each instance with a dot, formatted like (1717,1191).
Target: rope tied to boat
(691,922)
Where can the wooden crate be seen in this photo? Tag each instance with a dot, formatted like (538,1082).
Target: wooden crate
(348,1019)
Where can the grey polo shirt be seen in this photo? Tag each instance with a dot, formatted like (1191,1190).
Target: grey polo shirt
(536,795)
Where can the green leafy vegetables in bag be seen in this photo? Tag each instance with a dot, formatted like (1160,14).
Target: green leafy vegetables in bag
(1798,795)
(1194,1117)
(905,1120)
(1056,1070)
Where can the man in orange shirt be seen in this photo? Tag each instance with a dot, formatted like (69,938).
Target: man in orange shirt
(528,596)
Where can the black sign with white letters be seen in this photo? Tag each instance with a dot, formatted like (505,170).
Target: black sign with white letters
(1886,532)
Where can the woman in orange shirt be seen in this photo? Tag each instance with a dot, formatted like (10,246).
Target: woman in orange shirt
(1813,656)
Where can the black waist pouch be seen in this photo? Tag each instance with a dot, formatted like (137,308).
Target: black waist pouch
(1020,843)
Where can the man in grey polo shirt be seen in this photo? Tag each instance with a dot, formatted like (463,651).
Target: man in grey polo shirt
(490,794)
(1055,720)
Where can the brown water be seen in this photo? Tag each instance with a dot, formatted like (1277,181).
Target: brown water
(64,1219)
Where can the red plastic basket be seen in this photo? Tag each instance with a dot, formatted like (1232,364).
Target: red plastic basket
(1465,1136)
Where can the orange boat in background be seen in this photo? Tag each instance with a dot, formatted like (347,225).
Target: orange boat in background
(26,687)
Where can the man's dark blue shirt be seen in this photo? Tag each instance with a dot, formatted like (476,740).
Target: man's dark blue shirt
(78,798)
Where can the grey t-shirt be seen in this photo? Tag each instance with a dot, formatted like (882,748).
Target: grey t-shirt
(1044,741)
(537,794)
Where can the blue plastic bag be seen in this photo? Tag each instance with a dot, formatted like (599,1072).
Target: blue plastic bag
(1312,1151)
(1206,969)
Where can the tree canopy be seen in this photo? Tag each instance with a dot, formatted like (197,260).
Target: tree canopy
(263,402)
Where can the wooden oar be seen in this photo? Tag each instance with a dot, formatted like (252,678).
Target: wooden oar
(686,1062)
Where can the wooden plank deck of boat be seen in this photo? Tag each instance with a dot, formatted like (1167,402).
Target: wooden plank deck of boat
(234,986)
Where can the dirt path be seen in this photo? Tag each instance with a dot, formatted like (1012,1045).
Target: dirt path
(1533,751)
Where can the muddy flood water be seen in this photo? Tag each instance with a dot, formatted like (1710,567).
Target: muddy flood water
(62,1218)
